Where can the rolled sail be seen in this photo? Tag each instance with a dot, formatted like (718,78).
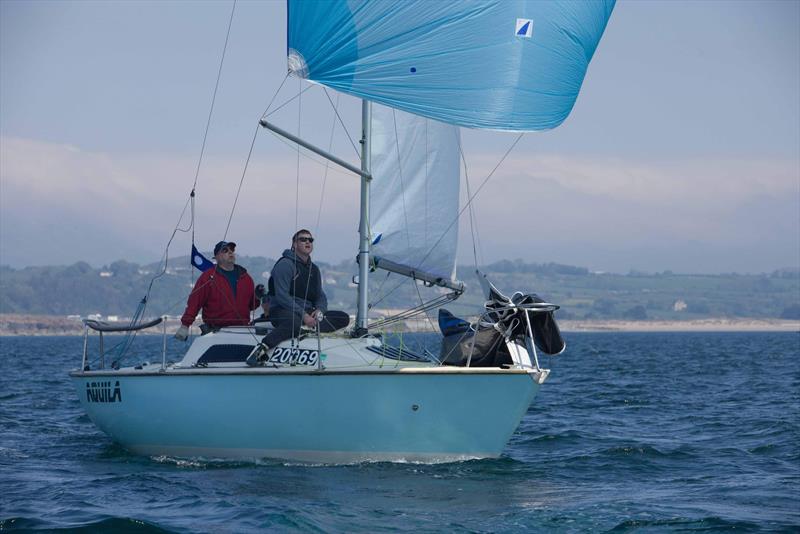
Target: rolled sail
(414,191)
(503,64)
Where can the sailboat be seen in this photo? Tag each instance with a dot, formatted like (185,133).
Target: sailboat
(423,70)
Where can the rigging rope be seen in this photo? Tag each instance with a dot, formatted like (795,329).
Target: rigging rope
(241,181)
(473,225)
(472,197)
(287,102)
(403,196)
(425,310)
(468,204)
(247,161)
(297,194)
(214,96)
(141,308)
(327,165)
(297,170)
(400,174)
(335,110)
(191,199)
(422,308)
(389,293)
(264,115)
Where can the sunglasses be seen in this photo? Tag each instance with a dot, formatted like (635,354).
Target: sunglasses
(305,239)
(225,250)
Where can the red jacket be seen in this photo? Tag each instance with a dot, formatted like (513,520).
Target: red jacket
(214,295)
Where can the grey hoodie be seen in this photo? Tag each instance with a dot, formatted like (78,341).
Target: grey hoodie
(288,276)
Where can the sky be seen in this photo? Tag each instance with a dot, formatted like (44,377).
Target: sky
(682,152)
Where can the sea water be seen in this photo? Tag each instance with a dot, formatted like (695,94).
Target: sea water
(632,432)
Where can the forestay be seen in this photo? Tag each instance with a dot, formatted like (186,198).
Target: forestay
(503,64)
(414,193)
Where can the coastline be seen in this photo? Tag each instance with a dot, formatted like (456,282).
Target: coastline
(696,325)
(49,325)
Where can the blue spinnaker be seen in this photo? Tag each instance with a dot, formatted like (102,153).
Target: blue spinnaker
(498,64)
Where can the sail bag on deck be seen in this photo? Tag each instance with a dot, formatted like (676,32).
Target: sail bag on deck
(480,346)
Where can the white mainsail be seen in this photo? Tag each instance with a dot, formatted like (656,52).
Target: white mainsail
(414,191)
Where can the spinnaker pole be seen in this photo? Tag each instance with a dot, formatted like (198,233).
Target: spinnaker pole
(363,225)
(327,155)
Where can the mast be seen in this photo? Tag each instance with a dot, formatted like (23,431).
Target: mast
(363,226)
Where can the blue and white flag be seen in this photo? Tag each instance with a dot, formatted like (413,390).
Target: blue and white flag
(200,261)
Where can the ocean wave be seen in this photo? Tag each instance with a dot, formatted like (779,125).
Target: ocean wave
(200,462)
(646,451)
(108,524)
(21,523)
(12,454)
(631,456)
(550,439)
(703,524)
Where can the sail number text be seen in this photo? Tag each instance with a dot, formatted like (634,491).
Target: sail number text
(294,355)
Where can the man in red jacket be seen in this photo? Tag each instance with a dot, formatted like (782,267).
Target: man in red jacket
(225,293)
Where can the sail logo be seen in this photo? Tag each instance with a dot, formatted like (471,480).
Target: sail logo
(524,28)
(103,392)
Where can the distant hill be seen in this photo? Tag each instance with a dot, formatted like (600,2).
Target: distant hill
(117,289)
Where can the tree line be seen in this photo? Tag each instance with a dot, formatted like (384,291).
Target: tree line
(118,289)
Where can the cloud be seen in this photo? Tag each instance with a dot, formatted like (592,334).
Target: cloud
(690,215)
(61,203)
(53,196)
(694,183)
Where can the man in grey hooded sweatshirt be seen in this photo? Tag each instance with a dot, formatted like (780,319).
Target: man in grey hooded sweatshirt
(295,295)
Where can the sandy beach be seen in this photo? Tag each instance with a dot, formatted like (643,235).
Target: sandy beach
(702,325)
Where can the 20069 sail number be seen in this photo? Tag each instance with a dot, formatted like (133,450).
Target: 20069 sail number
(294,355)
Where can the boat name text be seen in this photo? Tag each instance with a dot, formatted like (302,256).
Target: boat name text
(103,392)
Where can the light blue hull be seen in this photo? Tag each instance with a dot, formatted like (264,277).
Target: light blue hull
(418,415)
